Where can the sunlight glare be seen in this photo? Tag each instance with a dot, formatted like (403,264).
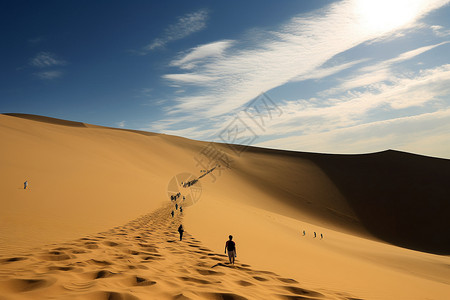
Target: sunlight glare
(385,15)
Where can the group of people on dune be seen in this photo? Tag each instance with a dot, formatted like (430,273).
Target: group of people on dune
(315,235)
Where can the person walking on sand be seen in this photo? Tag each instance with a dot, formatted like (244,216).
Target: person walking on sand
(231,247)
(176,206)
(181,230)
(172,213)
(25,184)
(181,209)
(314,234)
(304,233)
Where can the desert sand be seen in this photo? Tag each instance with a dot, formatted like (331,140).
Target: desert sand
(95,223)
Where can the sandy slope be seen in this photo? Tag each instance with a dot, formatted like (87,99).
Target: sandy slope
(142,260)
(86,179)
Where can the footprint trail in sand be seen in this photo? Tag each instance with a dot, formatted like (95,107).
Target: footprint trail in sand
(143,259)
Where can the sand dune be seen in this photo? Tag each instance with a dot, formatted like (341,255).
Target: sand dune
(84,179)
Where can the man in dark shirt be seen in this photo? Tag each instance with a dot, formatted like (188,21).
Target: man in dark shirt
(231,247)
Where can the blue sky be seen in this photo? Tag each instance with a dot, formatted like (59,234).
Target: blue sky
(351,76)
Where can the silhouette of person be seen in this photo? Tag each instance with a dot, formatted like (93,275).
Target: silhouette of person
(314,234)
(321,236)
(176,206)
(172,213)
(25,185)
(304,233)
(181,209)
(181,230)
(231,247)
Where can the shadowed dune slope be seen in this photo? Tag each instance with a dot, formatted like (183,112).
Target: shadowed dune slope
(47,120)
(398,197)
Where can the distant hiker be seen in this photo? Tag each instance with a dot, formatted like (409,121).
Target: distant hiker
(181,209)
(25,185)
(304,233)
(172,213)
(314,234)
(181,230)
(184,198)
(321,236)
(176,206)
(231,247)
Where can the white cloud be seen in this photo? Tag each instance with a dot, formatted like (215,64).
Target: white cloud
(197,54)
(184,26)
(295,50)
(313,118)
(328,71)
(121,124)
(190,78)
(427,133)
(49,75)
(440,31)
(46,59)
(379,72)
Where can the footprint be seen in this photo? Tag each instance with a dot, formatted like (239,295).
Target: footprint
(260,278)
(225,296)
(209,272)
(26,285)
(291,297)
(111,244)
(111,296)
(196,280)
(59,268)
(287,280)
(244,283)
(103,274)
(143,282)
(80,251)
(91,245)
(55,256)
(181,297)
(13,259)
(99,262)
(303,292)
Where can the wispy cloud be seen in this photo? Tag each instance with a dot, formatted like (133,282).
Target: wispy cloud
(306,121)
(184,26)
(49,75)
(295,50)
(381,71)
(36,40)
(440,31)
(426,133)
(121,124)
(198,54)
(322,125)
(46,59)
